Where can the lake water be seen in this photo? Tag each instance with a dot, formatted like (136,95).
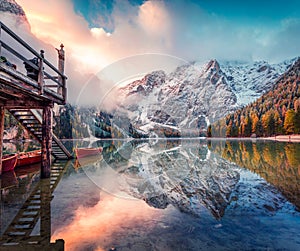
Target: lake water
(163,195)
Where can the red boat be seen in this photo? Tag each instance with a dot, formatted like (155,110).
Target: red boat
(9,162)
(29,158)
(85,152)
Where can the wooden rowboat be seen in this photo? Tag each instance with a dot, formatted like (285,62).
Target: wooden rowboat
(9,162)
(29,158)
(86,152)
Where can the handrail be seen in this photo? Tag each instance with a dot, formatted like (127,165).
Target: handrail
(59,79)
(53,68)
(39,118)
(20,40)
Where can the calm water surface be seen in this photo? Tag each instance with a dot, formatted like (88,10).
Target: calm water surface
(169,195)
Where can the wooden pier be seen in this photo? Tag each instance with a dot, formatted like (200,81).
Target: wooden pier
(29,87)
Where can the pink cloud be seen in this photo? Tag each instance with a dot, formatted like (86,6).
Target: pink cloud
(55,22)
(138,30)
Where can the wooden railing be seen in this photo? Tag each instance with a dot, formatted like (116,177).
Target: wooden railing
(47,76)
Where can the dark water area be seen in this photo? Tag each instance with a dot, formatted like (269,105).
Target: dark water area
(188,194)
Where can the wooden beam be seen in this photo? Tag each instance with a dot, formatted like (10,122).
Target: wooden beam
(23,84)
(26,103)
(1,135)
(46,142)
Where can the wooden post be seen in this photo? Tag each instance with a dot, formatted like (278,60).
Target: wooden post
(46,142)
(61,68)
(41,73)
(1,134)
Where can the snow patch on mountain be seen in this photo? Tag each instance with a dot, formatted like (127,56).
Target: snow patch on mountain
(184,101)
(251,80)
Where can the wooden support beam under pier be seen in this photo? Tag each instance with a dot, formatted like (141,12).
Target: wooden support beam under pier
(46,142)
(1,134)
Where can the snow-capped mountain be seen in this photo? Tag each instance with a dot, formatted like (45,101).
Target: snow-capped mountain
(185,101)
(250,80)
(180,103)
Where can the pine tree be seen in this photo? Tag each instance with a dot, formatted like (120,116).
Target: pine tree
(268,123)
(297,121)
(209,131)
(255,120)
(229,129)
(248,127)
(278,123)
(289,121)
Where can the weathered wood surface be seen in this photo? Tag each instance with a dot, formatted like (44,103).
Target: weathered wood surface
(46,142)
(1,134)
(14,83)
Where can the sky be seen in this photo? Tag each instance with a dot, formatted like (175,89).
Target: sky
(192,30)
(98,33)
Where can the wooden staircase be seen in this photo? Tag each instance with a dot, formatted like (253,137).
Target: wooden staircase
(31,120)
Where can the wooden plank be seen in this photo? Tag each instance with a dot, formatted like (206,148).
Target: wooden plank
(46,142)
(1,135)
(48,95)
(21,103)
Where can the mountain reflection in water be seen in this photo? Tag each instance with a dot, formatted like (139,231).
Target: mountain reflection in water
(187,176)
(210,197)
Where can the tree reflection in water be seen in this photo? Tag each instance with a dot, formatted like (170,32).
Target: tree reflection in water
(277,162)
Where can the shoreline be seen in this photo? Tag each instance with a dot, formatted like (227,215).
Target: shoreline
(284,138)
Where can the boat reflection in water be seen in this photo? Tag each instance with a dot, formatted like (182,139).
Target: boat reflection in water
(177,195)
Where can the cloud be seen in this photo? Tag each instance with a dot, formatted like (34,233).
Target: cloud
(178,28)
(138,29)
(284,42)
(181,29)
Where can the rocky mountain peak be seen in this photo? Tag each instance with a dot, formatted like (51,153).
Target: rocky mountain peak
(296,66)
(249,80)
(213,65)
(145,85)
(12,7)
(180,103)
(185,101)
